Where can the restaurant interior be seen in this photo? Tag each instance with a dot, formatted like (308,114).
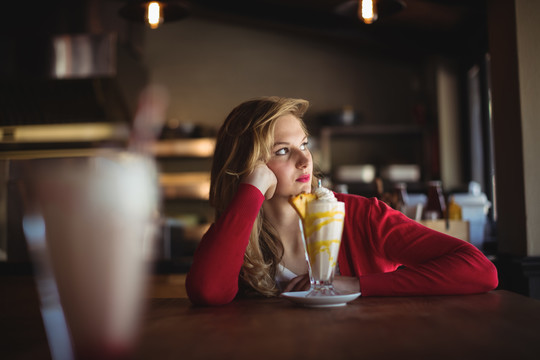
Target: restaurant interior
(109,111)
(432,90)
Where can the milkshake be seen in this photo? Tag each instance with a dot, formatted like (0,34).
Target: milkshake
(322,227)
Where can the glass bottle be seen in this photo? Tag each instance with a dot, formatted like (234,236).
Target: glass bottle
(400,196)
(435,206)
(454,210)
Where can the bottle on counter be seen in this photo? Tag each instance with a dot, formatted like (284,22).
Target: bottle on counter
(454,210)
(400,196)
(341,188)
(435,206)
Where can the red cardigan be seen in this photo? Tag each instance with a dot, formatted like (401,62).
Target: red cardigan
(377,241)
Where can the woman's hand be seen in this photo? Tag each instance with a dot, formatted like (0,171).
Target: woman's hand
(299,283)
(263,179)
(341,283)
(346,283)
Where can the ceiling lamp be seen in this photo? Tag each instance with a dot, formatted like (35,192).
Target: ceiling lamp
(367,11)
(154,13)
(370,10)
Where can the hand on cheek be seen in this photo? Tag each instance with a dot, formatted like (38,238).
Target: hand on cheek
(262,178)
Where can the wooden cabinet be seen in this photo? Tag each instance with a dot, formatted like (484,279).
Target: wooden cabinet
(184,166)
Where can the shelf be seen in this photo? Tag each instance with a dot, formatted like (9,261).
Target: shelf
(188,185)
(50,154)
(60,133)
(328,131)
(380,146)
(184,181)
(199,148)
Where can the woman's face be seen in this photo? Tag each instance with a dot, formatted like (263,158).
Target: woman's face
(291,160)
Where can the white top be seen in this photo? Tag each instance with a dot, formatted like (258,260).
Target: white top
(283,276)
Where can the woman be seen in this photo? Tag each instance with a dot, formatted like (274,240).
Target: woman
(254,246)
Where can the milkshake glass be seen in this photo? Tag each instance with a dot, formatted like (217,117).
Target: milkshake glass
(322,229)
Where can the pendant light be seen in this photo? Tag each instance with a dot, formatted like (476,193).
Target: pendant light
(367,11)
(154,13)
(371,10)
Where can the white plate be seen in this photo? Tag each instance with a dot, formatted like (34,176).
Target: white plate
(299,297)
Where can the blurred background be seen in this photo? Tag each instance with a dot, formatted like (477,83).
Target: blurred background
(431,90)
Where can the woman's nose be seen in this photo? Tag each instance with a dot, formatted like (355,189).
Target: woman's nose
(302,160)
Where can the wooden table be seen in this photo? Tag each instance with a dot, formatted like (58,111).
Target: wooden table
(496,325)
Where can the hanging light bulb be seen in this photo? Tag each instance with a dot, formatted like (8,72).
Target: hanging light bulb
(154,14)
(367,11)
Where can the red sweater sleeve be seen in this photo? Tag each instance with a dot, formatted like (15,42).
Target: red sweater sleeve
(213,277)
(394,255)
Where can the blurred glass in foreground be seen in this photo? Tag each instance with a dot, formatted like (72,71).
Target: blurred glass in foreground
(90,223)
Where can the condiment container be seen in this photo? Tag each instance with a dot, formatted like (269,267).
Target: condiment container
(474,206)
(435,206)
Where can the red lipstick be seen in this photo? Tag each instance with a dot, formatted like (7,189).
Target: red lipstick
(304,178)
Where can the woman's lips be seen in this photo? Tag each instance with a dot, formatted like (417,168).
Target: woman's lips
(304,178)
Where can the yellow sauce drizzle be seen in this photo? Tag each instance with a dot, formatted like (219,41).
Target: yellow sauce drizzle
(322,246)
(314,222)
(326,217)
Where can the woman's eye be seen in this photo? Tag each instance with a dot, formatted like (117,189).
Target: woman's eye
(304,146)
(282,151)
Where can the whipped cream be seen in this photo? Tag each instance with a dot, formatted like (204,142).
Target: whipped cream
(324,194)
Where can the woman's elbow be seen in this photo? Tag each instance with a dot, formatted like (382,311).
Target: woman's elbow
(206,296)
(208,299)
(487,278)
(492,276)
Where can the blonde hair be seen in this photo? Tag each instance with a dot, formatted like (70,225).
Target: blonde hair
(245,140)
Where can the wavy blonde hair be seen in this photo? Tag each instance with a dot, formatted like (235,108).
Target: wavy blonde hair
(244,140)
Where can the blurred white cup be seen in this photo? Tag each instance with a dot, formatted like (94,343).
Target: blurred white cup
(100,216)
